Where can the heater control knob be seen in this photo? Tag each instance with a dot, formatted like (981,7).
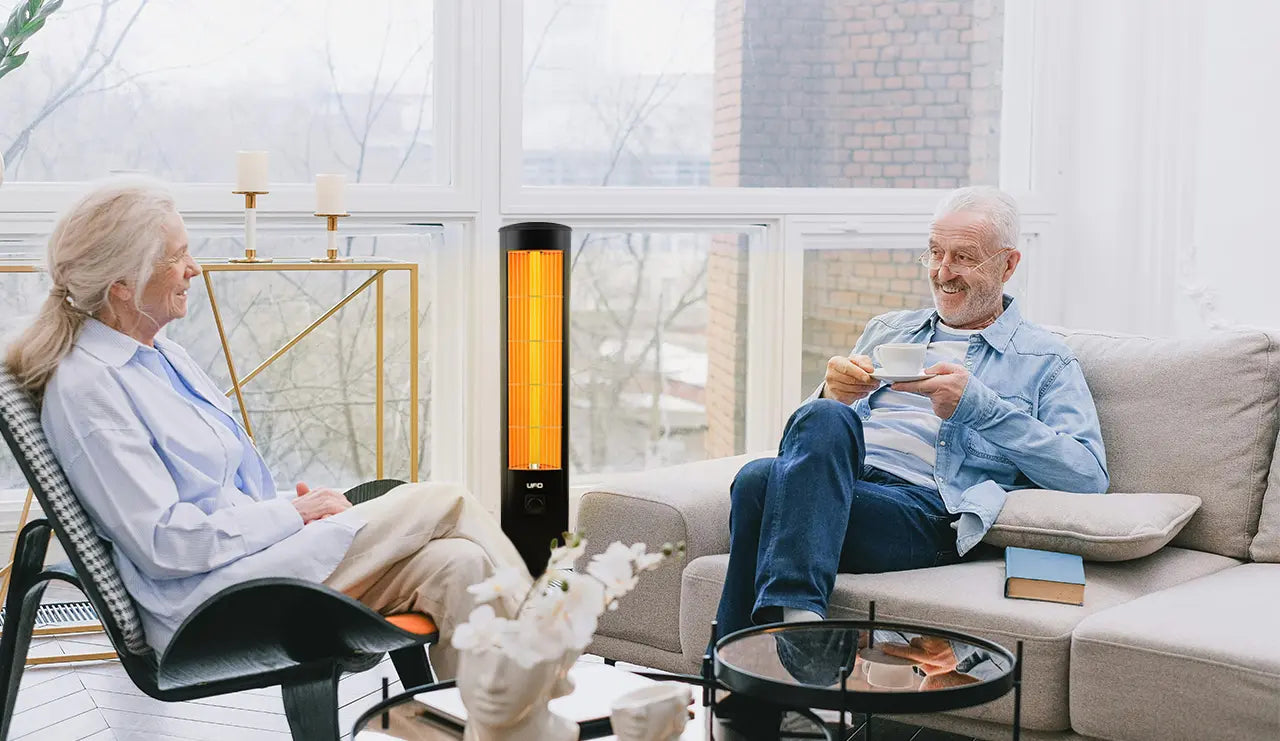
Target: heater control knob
(535,504)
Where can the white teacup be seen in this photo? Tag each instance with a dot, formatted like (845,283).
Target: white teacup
(655,713)
(900,358)
(885,671)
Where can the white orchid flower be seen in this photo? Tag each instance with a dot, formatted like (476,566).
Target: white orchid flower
(645,561)
(565,556)
(560,612)
(526,644)
(506,583)
(613,569)
(483,629)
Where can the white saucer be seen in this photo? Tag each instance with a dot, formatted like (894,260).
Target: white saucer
(880,375)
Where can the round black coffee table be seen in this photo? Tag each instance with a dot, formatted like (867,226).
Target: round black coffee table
(865,666)
(405,717)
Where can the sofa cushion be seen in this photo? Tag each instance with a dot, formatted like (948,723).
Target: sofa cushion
(1266,544)
(969,597)
(1110,527)
(1141,670)
(1166,428)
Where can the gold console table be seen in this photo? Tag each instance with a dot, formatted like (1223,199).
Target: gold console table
(377,266)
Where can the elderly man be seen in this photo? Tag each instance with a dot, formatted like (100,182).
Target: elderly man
(872,477)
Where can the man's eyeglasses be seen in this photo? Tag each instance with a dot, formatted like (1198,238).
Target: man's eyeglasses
(960,264)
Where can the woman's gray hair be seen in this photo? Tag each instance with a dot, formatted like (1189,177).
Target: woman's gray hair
(114,233)
(994,204)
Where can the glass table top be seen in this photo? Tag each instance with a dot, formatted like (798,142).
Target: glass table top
(821,661)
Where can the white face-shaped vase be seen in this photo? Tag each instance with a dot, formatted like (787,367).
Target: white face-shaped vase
(498,692)
(505,700)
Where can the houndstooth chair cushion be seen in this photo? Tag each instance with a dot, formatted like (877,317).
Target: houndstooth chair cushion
(23,421)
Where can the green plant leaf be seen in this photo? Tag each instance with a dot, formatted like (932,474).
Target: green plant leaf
(24,21)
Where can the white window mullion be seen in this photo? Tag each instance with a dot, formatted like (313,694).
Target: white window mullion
(510,139)
(450,362)
(448,123)
(485,29)
(767,340)
(792,317)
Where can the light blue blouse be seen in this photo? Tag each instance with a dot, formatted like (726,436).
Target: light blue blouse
(172,481)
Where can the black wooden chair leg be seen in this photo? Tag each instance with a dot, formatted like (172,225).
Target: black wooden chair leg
(25,591)
(412,666)
(312,707)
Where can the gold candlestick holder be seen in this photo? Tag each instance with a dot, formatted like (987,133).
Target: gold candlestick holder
(331,226)
(250,226)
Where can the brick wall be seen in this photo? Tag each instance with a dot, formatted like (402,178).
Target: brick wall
(850,93)
(726,345)
(865,93)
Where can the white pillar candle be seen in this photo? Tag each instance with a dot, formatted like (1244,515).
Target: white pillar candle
(330,196)
(251,172)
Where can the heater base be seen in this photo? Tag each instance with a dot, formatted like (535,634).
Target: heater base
(535,510)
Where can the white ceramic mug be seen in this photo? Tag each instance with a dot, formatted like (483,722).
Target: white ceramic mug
(655,713)
(886,671)
(900,358)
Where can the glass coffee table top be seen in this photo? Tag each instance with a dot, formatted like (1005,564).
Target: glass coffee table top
(863,666)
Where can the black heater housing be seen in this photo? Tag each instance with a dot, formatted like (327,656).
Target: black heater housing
(535,496)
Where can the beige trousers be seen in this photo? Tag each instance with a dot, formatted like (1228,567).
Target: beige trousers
(421,546)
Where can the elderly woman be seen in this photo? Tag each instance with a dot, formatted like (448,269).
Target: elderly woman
(175,484)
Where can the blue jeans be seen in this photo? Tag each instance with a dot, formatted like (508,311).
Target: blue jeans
(816,510)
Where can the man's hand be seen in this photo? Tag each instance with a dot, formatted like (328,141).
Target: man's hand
(848,379)
(318,504)
(933,654)
(944,389)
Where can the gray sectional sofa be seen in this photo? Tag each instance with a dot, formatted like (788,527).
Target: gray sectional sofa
(1180,644)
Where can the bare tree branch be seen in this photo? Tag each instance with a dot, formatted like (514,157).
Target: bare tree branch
(74,85)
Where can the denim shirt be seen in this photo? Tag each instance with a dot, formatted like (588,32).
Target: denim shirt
(184,499)
(1026,418)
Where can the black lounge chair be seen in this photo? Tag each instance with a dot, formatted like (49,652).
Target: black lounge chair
(288,632)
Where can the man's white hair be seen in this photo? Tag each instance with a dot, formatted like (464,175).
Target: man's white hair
(994,204)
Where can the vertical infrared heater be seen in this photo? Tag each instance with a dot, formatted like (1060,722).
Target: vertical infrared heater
(535,405)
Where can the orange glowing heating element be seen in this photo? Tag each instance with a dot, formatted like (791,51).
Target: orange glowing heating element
(535,352)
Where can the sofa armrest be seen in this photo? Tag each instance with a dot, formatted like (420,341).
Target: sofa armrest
(689,502)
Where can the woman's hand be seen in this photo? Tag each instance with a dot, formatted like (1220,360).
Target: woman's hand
(318,504)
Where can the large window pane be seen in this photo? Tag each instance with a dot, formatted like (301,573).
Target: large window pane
(175,88)
(843,290)
(312,411)
(658,353)
(639,113)
(830,93)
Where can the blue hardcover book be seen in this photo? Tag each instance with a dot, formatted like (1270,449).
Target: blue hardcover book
(1043,575)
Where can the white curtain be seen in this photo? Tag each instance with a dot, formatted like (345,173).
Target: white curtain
(1158,140)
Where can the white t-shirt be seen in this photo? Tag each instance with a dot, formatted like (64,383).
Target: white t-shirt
(902,433)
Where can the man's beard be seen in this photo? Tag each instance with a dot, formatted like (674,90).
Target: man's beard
(979,303)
